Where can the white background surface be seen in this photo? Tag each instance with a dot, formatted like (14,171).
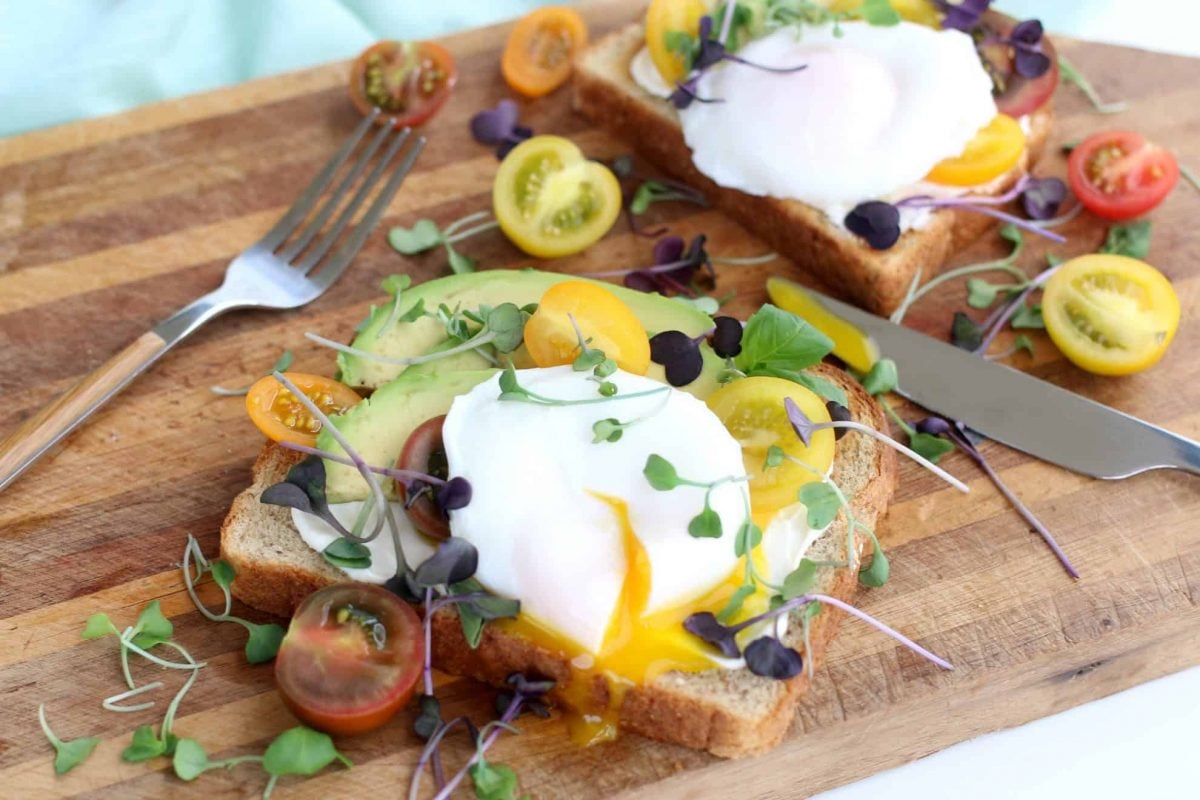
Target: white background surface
(1140,744)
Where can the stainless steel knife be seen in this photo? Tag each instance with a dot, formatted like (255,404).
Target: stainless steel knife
(1018,409)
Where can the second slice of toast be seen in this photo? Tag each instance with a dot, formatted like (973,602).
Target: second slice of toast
(874,279)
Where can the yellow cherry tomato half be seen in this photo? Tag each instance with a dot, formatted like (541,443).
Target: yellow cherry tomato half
(551,201)
(605,322)
(537,57)
(920,11)
(994,151)
(752,409)
(667,17)
(283,418)
(1110,314)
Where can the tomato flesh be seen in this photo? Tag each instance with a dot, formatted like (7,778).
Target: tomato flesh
(408,81)
(753,411)
(281,416)
(551,201)
(1118,175)
(605,322)
(537,57)
(351,658)
(1110,314)
(666,17)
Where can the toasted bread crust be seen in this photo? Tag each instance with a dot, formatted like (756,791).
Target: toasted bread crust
(876,280)
(677,707)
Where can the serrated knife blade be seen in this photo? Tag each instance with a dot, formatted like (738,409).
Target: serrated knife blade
(1016,408)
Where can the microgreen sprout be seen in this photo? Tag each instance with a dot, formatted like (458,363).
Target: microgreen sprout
(281,365)
(662,476)
(499,126)
(964,15)
(263,640)
(395,285)
(1128,239)
(651,191)
(611,429)
(1072,75)
(675,268)
(511,390)
(602,366)
(503,329)
(425,235)
(805,428)
(67,754)
(774,659)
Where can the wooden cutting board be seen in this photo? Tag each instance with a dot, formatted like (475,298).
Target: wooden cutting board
(106,226)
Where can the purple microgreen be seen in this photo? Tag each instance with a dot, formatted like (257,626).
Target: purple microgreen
(452,495)
(958,434)
(679,354)
(303,488)
(406,476)
(650,192)
(429,716)
(726,338)
(1072,75)
(1026,41)
(768,657)
(1042,197)
(838,413)
(454,560)
(1007,312)
(704,625)
(805,428)
(980,205)
(498,126)
(876,222)
(962,16)
(282,364)
(674,267)
(1062,219)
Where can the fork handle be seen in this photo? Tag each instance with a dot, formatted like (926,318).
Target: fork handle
(52,423)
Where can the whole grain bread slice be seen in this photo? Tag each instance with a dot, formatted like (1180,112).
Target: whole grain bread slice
(727,712)
(876,280)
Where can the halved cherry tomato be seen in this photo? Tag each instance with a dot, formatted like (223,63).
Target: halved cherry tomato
(408,81)
(923,12)
(753,411)
(1110,314)
(606,324)
(1118,175)
(282,418)
(551,201)
(1016,96)
(350,659)
(666,17)
(994,151)
(537,57)
(425,452)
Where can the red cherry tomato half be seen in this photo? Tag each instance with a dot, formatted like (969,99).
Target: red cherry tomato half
(351,658)
(1019,96)
(408,81)
(424,452)
(1118,175)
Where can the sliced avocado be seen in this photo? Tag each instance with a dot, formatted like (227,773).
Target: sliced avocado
(378,427)
(493,287)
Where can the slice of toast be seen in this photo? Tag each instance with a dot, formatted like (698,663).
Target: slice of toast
(875,279)
(727,712)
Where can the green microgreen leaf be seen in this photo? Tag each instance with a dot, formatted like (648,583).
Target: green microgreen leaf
(190,760)
(262,644)
(152,628)
(588,358)
(144,745)
(300,751)
(1023,342)
(1028,317)
(347,554)
(1128,239)
(99,626)
(982,293)
(879,12)
(493,781)
(706,524)
(965,333)
(775,457)
(882,378)
(1071,74)
(506,323)
(777,339)
(415,313)
(825,389)
(821,502)
(68,754)
(661,473)
(423,235)
(283,363)
(607,430)
(876,573)
(460,264)
(801,580)
(749,536)
(735,602)
(395,284)
(929,446)
(223,573)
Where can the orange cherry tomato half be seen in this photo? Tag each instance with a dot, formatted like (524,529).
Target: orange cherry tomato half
(282,418)
(537,57)
(1118,175)
(351,658)
(408,81)
(605,322)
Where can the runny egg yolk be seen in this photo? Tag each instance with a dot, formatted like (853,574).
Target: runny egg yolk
(637,648)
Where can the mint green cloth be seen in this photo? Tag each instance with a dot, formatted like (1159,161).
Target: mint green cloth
(62,60)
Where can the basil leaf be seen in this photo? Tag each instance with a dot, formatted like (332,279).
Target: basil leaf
(777,339)
(826,390)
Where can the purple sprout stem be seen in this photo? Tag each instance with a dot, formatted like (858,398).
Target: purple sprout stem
(1006,313)
(654,270)
(965,445)
(510,713)
(431,753)
(805,599)
(980,206)
(403,475)
(428,669)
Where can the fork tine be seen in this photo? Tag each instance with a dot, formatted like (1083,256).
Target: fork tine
(347,182)
(345,254)
(327,240)
(305,201)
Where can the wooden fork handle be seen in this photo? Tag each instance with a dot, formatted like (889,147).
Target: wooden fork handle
(48,426)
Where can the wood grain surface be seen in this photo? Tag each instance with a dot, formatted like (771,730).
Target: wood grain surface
(108,225)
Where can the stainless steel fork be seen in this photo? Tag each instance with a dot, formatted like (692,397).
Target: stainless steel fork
(288,267)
